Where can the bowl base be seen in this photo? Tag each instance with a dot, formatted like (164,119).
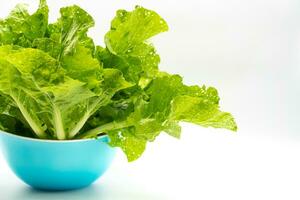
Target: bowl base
(58,189)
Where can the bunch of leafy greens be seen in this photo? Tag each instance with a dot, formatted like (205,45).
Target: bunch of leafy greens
(55,83)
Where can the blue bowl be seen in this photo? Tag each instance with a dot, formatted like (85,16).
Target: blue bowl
(57,165)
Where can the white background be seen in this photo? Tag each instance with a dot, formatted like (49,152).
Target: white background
(250,51)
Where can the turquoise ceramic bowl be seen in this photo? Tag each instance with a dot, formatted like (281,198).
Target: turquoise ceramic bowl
(57,165)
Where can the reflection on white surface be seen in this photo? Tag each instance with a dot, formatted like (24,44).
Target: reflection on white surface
(93,192)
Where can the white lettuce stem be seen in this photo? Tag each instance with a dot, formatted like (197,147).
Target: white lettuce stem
(84,119)
(106,127)
(79,125)
(38,130)
(58,124)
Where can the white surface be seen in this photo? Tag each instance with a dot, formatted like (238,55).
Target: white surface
(250,51)
(202,165)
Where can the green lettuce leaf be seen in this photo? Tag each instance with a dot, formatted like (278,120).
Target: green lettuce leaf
(11,119)
(82,66)
(169,102)
(14,85)
(198,111)
(127,47)
(132,146)
(56,83)
(65,34)
(131,29)
(21,28)
(47,97)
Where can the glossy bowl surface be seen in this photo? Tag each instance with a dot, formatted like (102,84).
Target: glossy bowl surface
(57,165)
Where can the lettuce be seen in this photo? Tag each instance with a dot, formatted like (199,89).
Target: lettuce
(55,83)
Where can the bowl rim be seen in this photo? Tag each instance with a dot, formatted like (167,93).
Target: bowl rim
(52,141)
